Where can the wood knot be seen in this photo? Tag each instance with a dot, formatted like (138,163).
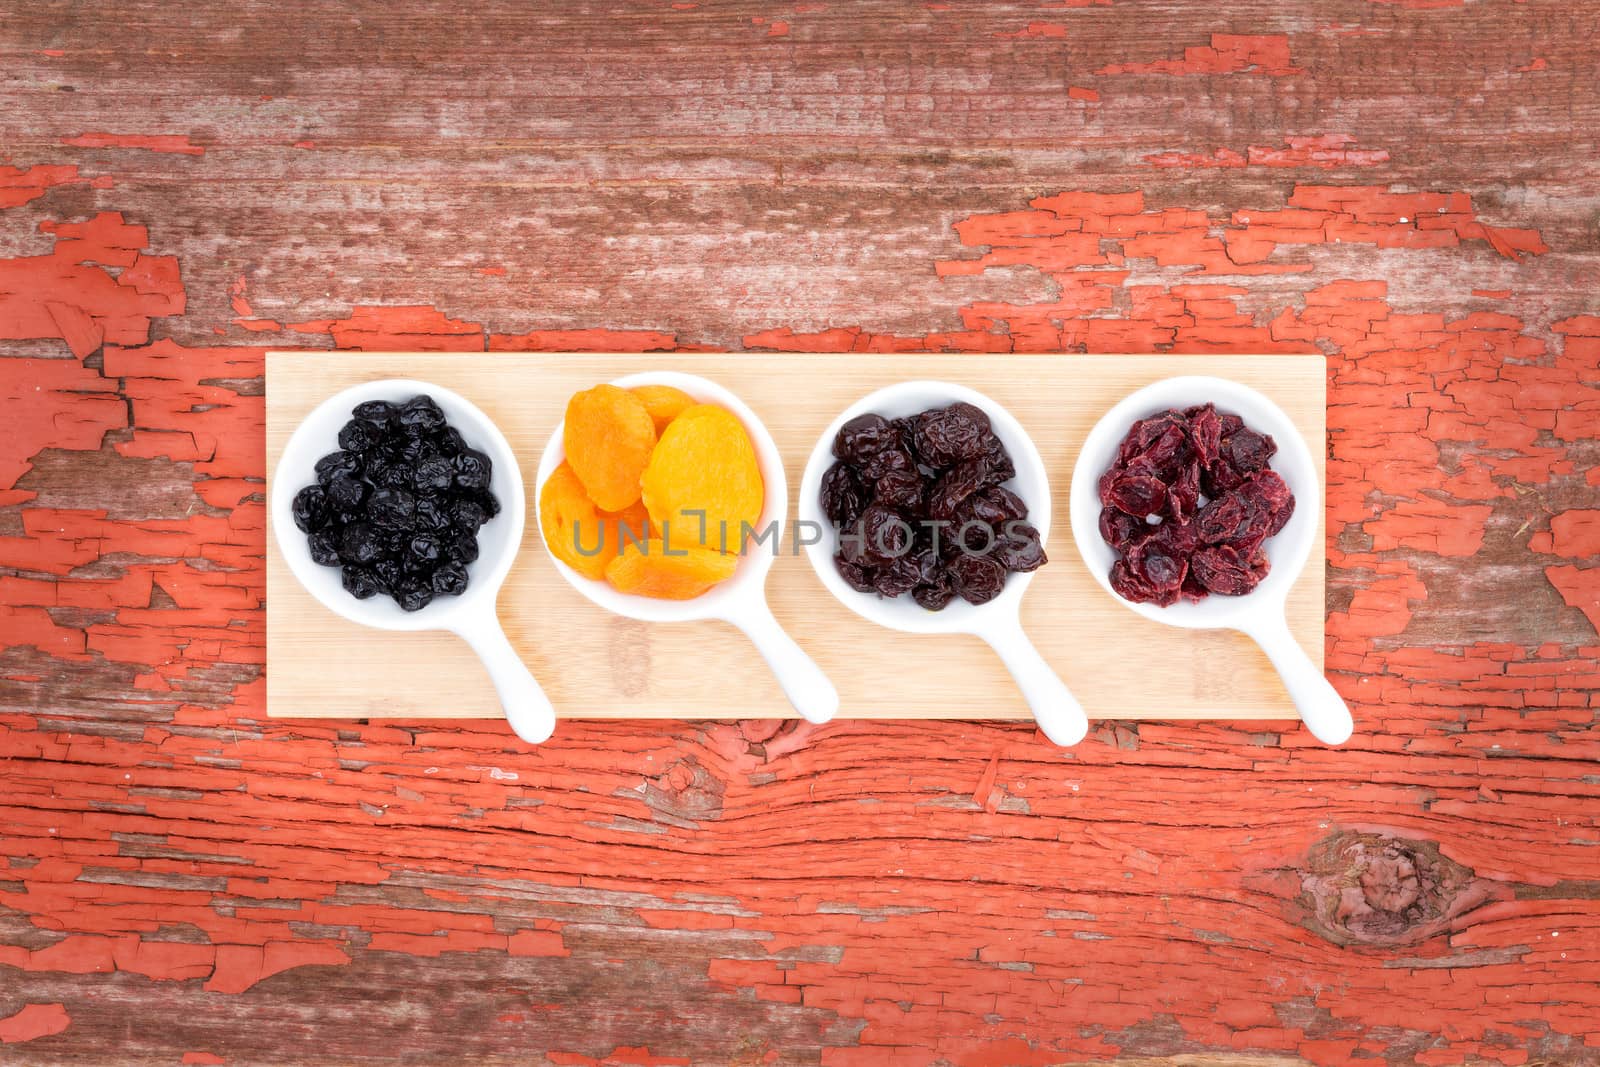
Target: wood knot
(1382,889)
(685,794)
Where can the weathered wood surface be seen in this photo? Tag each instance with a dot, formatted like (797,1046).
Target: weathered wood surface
(1408,187)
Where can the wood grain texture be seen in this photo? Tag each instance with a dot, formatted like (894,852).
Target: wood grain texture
(594,665)
(1409,188)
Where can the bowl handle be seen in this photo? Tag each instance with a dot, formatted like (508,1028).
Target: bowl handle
(527,709)
(1321,707)
(1054,708)
(803,682)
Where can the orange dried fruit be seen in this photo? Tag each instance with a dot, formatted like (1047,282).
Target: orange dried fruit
(683,574)
(608,436)
(704,463)
(580,534)
(663,402)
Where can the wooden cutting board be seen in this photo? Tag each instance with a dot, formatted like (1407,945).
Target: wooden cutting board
(595,665)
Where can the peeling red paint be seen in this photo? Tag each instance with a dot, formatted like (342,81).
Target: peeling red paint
(1228,53)
(167,142)
(32,1022)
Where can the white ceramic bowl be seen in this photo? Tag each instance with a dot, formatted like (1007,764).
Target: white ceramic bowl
(741,600)
(471,615)
(1058,713)
(1259,613)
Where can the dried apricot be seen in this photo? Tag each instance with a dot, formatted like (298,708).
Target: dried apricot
(663,402)
(608,436)
(580,534)
(704,479)
(683,574)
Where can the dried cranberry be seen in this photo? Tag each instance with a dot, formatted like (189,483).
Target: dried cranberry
(1165,465)
(1120,530)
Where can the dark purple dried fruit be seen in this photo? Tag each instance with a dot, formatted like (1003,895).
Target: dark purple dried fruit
(378,412)
(310,508)
(391,508)
(935,596)
(324,545)
(346,493)
(1248,451)
(413,594)
(954,486)
(420,415)
(450,579)
(885,535)
(433,475)
(882,462)
(361,583)
(472,469)
(400,503)
(358,435)
(857,576)
(338,463)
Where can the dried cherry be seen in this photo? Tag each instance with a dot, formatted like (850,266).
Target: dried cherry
(921,508)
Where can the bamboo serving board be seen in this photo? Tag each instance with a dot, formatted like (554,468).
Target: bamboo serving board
(596,665)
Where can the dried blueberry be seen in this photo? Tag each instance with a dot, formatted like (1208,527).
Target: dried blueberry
(468,514)
(450,579)
(358,435)
(464,547)
(431,513)
(413,594)
(310,508)
(434,474)
(378,412)
(420,415)
(360,543)
(472,469)
(346,493)
(324,545)
(422,552)
(338,463)
(392,508)
(449,441)
(361,583)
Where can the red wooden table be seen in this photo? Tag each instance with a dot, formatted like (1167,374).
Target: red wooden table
(1406,187)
